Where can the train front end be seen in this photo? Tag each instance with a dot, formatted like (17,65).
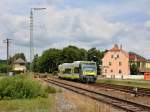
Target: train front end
(88,72)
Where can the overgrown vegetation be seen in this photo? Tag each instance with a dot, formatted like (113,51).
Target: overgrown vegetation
(27,105)
(24,94)
(3,66)
(21,87)
(2,74)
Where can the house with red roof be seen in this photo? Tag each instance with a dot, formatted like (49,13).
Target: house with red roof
(117,63)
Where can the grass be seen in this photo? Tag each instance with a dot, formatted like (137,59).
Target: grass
(2,74)
(20,87)
(134,83)
(24,94)
(27,105)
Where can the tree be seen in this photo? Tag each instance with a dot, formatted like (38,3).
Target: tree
(96,56)
(134,69)
(49,60)
(3,66)
(83,54)
(16,56)
(35,63)
(72,53)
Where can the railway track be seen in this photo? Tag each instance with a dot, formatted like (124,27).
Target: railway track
(129,89)
(126,105)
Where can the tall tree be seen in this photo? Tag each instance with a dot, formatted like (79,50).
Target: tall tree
(72,53)
(96,56)
(83,54)
(35,65)
(49,60)
(16,56)
(134,69)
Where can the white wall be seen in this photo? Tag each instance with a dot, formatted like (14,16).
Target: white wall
(126,76)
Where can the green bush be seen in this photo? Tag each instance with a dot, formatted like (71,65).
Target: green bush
(21,87)
(55,73)
(49,89)
(3,68)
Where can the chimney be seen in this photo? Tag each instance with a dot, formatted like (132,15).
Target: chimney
(115,46)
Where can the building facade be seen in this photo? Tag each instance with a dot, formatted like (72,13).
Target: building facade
(115,63)
(19,66)
(146,70)
(138,60)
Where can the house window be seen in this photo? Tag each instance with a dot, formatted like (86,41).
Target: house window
(120,63)
(117,55)
(110,63)
(111,71)
(120,71)
(105,70)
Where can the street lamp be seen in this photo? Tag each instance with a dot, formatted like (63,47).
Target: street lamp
(31,34)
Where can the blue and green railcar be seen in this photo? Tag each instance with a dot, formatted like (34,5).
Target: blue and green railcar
(84,71)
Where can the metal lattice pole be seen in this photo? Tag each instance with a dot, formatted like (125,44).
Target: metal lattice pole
(31,35)
(31,38)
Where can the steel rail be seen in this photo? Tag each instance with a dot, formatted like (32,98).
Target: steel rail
(117,102)
(129,89)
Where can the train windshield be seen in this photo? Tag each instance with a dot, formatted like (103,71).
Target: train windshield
(89,67)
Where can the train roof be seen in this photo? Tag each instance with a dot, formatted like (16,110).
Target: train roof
(65,65)
(74,64)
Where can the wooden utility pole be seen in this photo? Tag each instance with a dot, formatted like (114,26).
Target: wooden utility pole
(7,41)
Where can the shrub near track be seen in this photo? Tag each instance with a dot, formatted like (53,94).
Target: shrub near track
(20,87)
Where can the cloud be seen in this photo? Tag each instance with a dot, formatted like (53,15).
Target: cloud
(2,46)
(60,25)
(63,27)
(147,24)
(74,25)
(135,39)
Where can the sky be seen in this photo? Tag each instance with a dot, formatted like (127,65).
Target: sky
(83,23)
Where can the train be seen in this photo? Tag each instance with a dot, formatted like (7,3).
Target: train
(83,71)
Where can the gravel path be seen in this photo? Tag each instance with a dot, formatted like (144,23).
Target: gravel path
(64,105)
(68,101)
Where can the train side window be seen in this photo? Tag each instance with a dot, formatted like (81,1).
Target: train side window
(76,70)
(67,71)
